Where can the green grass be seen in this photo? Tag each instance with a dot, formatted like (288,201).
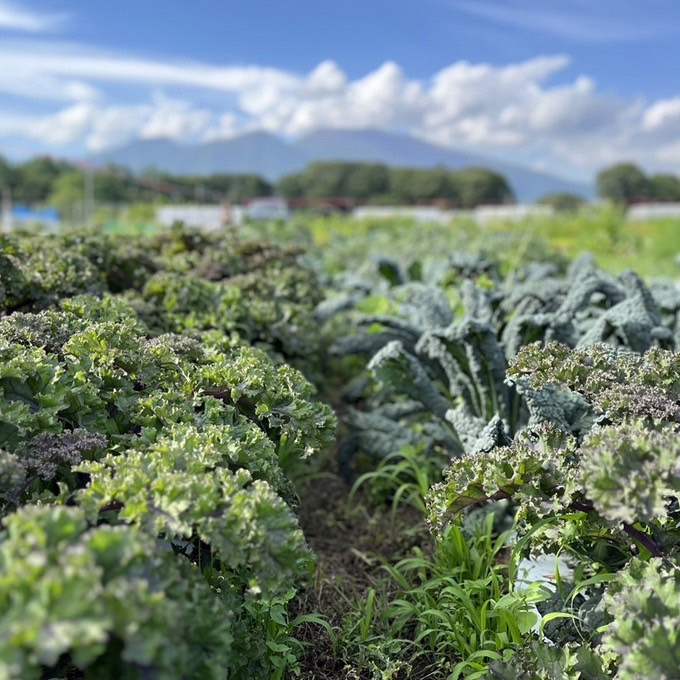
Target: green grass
(340,242)
(403,477)
(447,614)
(649,247)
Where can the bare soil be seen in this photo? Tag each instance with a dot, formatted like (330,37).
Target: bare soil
(352,539)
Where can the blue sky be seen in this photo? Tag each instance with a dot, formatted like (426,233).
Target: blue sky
(568,85)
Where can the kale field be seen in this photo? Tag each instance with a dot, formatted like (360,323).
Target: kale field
(341,450)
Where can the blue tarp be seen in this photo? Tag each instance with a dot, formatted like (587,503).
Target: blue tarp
(22,213)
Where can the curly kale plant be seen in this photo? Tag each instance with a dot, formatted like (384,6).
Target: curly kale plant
(175,454)
(181,281)
(644,603)
(606,493)
(195,488)
(255,290)
(106,600)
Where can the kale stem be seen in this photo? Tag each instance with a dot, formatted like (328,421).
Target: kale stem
(643,539)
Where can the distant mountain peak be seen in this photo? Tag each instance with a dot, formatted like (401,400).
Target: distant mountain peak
(262,153)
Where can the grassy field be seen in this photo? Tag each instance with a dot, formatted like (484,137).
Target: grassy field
(651,248)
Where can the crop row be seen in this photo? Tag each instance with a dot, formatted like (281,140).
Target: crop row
(153,427)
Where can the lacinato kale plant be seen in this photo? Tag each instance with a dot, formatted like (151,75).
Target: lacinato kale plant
(438,352)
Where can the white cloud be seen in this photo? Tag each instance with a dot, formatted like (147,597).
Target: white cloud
(17,18)
(101,126)
(162,118)
(115,125)
(511,109)
(65,127)
(175,119)
(581,21)
(54,63)
(327,77)
(226,127)
(663,118)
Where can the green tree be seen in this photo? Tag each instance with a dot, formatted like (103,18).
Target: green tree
(239,187)
(477,186)
(67,194)
(623,183)
(34,178)
(665,187)
(408,185)
(563,201)
(114,184)
(402,184)
(292,186)
(366,180)
(326,179)
(329,179)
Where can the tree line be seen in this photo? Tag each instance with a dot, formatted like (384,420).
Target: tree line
(61,184)
(626,183)
(379,183)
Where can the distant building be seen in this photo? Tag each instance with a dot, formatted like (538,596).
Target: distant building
(270,208)
(484,214)
(216,216)
(199,216)
(652,211)
(416,213)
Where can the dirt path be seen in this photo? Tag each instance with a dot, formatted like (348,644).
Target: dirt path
(352,539)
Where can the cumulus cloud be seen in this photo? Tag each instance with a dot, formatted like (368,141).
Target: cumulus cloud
(512,109)
(66,126)
(101,126)
(663,117)
(175,119)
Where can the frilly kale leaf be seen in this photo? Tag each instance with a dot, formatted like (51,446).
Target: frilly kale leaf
(12,278)
(541,661)
(276,397)
(107,599)
(192,483)
(644,603)
(45,457)
(105,375)
(618,385)
(531,470)
(623,474)
(12,475)
(629,473)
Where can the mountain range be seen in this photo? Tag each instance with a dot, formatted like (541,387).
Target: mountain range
(271,157)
